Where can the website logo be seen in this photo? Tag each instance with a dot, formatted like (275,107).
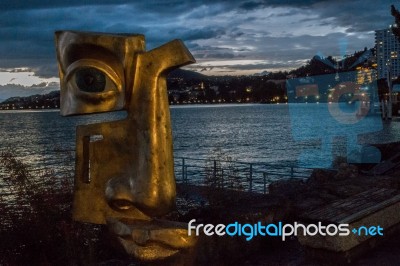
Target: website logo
(249,231)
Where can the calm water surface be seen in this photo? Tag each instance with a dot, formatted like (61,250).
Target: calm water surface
(250,133)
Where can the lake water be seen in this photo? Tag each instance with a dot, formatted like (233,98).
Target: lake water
(247,132)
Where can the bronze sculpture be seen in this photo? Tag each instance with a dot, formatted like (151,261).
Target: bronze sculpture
(124,169)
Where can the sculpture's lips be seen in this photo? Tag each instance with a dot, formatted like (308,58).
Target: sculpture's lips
(151,240)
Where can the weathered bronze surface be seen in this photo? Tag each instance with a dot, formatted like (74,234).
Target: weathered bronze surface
(124,169)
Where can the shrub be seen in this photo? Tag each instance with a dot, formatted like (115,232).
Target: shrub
(36,226)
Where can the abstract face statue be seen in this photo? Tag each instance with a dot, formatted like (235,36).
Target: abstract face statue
(124,169)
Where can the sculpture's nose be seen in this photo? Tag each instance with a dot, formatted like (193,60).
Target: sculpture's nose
(118,194)
(151,198)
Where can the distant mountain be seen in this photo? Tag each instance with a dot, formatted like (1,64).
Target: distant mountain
(264,73)
(186,74)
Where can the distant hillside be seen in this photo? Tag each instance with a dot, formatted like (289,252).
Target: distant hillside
(50,100)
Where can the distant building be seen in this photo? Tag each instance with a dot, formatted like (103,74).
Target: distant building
(365,75)
(387,53)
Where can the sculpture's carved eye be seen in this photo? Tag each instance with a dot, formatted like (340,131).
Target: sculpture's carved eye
(90,79)
(94,78)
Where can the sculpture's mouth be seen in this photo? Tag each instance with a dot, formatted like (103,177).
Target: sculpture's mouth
(152,240)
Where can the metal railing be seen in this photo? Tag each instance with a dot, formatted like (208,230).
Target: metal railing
(251,177)
(226,174)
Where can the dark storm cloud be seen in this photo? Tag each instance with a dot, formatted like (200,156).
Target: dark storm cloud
(12,90)
(257,66)
(40,85)
(234,28)
(213,55)
(358,15)
(213,52)
(27,36)
(40,4)
(150,4)
(153,6)
(282,53)
(197,34)
(306,46)
(46,70)
(27,33)
(251,5)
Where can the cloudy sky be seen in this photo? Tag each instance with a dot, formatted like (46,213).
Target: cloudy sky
(225,37)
